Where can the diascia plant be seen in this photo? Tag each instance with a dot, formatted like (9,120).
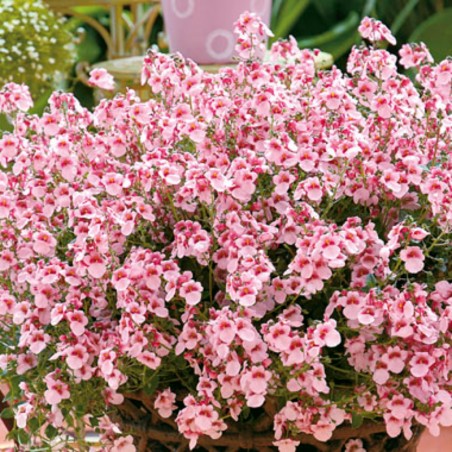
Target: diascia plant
(270,236)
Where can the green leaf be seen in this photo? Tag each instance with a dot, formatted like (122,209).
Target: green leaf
(7,413)
(90,49)
(436,33)
(152,385)
(338,40)
(5,125)
(51,432)
(34,424)
(371,281)
(403,15)
(369,7)
(357,420)
(326,8)
(94,422)
(276,8)
(41,103)
(288,15)
(22,437)
(340,46)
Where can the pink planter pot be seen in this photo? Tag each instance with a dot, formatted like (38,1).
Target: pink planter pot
(203,29)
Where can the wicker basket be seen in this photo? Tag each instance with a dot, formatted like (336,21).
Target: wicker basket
(137,417)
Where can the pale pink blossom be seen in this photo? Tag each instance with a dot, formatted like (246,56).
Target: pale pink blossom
(413,257)
(165,403)
(100,78)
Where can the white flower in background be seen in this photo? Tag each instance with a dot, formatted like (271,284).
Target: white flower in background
(35,45)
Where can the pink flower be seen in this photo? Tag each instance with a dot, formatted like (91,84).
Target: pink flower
(100,78)
(226,330)
(96,265)
(191,291)
(326,334)
(149,359)
(279,337)
(165,403)
(420,364)
(121,280)
(56,392)
(400,407)
(217,180)
(44,243)
(5,206)
(77,322)
(255,383)
(395,359)
(112,397)
(413,258)
(333,99)
(124,444)
(374,31)
(414,55)
(26,362)
(38,341)
(76,356)
(205,417)
(113,183)
(24,410)
(286,445)
(313,189)
(381,104)
(354,445)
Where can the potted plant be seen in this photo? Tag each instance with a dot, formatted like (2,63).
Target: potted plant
(203,29)
(254,259)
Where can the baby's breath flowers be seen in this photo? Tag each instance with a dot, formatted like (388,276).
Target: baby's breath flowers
(35,47)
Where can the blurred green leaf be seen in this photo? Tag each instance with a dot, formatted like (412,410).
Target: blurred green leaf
(289,12)
(403,15)
(23,437)
(34,424)
(338,40)
(436,33)
(369,7)
(7,413)
(357,420)
(94,422)
(342,45)
(51,432)
(41,103)
(90,49)
(326,9)
(5,125)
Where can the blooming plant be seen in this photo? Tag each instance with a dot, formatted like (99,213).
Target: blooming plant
(35,46)
(270,239)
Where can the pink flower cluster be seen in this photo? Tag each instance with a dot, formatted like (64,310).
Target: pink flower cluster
(268,236)
(252,35)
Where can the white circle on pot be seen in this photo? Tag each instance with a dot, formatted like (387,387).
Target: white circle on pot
(217,35)
(259,7)
(180,12)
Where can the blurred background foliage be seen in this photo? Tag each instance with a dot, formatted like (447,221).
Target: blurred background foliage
(331,25)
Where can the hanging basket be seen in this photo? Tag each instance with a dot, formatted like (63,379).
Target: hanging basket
(136,416)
